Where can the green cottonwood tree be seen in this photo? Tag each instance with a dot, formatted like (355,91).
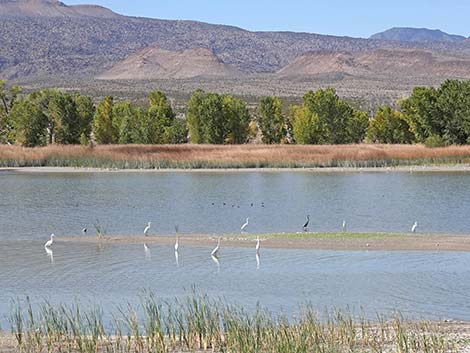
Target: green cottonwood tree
(104,130)
(271,121)
(237,120)
(7,99)
(29,123)
(389,126)
(160,119)
(85,113)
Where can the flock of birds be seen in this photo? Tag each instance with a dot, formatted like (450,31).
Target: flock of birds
(215,251)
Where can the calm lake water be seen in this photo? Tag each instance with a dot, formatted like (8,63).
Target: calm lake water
(430,285)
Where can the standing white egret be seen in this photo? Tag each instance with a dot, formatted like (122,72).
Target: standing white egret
(344,225)
(305,227)
(415,225)
(49,242)
(243,227)
(258,245)
(215,252)
(177,243)
(146,230)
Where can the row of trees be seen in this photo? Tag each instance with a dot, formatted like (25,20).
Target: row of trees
(434,116)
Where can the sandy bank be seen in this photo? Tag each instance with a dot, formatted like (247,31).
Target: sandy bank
(399,169)
(312,241)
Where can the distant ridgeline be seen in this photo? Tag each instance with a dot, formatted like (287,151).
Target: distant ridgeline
(46,38)
(435,117)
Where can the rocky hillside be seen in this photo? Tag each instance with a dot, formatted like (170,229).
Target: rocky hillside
(154,63)
(51,8)
(45,39)
(422,35)
(379,63)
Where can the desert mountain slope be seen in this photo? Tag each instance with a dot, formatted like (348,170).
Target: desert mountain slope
(424,35)
(156,63)
(51,8)
(45,39)
(381,62)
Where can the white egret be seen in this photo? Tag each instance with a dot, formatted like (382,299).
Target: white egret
(305,227)
(49,242)
(177,244)
(344,225)
(243,227)
(415,225)
(215,252)
(146,230)
(257,245)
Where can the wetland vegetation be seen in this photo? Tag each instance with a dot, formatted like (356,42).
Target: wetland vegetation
(198,324)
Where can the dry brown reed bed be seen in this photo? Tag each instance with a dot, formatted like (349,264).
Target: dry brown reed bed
(242,156)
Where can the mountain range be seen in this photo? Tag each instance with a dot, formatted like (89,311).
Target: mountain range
(46,39)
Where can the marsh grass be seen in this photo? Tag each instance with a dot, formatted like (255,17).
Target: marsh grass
(333,236)
(240,156)
(199,324)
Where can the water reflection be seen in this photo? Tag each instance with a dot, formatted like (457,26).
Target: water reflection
(177,259)
(431,285)
(215,259)
(50,254)
(148,255)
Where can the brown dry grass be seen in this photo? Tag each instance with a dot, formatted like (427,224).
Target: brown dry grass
(243,156)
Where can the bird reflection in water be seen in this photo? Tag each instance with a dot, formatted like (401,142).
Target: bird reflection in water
(50,255)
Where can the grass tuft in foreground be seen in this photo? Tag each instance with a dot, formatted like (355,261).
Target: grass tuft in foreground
(197,324)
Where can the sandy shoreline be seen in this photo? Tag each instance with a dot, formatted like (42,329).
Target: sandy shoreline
(457,333)
(401,169)
(310,241)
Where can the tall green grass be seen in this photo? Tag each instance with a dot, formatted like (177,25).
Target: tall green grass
(199,324)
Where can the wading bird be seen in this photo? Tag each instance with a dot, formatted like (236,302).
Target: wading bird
(245,225)
(177,243)
(49,242)
(215,252)
(306,224)
(258,245)
(344,225)
(415,225)
(146,230)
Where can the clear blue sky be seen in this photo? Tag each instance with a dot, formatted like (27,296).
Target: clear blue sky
(358,18)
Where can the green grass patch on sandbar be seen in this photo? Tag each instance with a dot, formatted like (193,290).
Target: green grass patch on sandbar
(322,236)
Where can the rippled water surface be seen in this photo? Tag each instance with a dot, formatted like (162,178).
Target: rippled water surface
(432,285)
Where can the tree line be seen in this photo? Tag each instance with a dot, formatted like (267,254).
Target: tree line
(433,116)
